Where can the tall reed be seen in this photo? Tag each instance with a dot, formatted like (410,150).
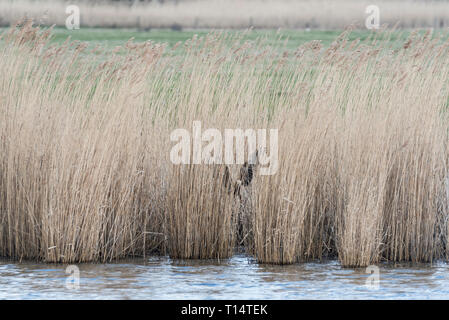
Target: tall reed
(85,173)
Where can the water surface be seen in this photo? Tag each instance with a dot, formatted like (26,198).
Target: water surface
(237,278)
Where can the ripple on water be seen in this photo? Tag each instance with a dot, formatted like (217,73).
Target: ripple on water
(236,278)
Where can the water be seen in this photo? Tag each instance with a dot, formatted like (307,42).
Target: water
(236,278)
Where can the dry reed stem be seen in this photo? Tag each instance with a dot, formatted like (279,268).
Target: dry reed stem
(85,173)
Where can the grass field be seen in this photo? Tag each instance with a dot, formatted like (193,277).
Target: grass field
(111,37)
(363,149)
(114,37)
(288,39)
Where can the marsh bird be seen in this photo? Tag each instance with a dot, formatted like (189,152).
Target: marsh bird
(241,189)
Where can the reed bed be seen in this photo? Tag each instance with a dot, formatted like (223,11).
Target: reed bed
(85,173)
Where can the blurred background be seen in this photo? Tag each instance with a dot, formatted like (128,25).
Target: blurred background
(230,14)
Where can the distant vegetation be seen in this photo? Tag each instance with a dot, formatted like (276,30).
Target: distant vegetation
(111,37)
(230,14)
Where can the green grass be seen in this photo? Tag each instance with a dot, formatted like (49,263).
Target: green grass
(115,37)
(110,38)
